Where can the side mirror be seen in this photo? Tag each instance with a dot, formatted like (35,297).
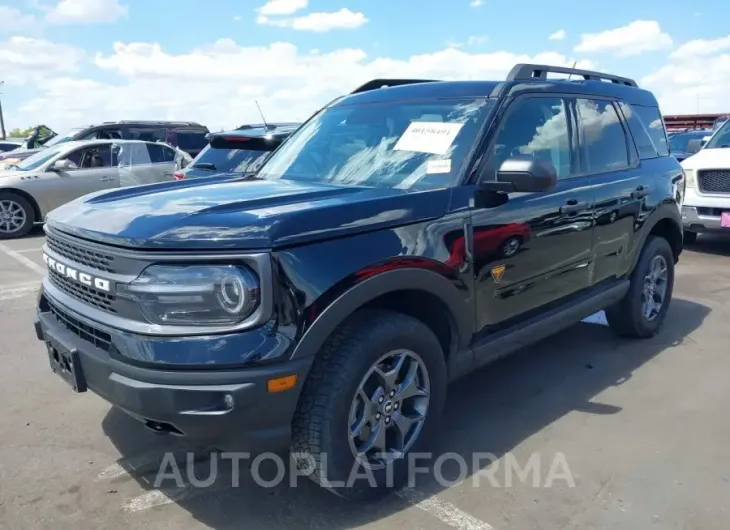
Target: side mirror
(63,165)
(524,174)
(694,146)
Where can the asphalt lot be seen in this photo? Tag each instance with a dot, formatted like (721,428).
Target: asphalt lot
(642,427)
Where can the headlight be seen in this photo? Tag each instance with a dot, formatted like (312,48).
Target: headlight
(690,181)
(194,295)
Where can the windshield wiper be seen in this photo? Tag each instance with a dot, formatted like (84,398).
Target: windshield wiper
(205,165)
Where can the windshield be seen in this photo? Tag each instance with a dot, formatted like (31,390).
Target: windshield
(416,145)
(38,159)
(61,138)
(721,138)
(223,160)
(680,142)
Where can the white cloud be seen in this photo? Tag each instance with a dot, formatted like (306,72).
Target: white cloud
(473,40)
(701,47)
(637,37)
(282,7)
(684,83)
(86,12)
(217,84)
(558,35)
(14,21)
(25,60)
(237,18)
(318,22)
(476,3)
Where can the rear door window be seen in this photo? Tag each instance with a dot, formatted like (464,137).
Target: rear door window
(160,153)
(603,136)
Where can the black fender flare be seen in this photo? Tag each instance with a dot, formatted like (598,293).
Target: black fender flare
(352,299)
(665,212)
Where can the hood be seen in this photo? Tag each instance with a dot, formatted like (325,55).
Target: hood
(18,153)
(224,212)
(709,159)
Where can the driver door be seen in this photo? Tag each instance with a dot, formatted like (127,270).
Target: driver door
(536,248)
(95,171)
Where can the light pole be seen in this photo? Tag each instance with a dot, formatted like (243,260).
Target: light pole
(2,120)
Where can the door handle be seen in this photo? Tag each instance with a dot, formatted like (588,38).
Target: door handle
(573,206)
(106,179)
(639,192)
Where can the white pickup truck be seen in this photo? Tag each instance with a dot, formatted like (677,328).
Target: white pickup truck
(706,205)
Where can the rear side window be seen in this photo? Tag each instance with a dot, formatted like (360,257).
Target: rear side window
(188,140)
(653,122)
(644,143)
(603,135)
(148,134)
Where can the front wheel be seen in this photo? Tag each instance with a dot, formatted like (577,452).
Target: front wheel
(642,311)
(373,395)
(16,216)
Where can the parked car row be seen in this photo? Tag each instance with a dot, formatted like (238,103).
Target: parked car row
(60,168)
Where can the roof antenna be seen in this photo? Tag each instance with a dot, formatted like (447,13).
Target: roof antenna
(262,116)
(572,67)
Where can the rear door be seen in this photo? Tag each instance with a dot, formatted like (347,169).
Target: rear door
(620,182)
(145,163)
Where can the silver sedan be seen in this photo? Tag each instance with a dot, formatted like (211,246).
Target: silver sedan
(59,174)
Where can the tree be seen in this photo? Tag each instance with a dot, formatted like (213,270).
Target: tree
(24,133)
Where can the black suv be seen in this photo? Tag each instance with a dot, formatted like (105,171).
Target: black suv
(187,135)
(405,235)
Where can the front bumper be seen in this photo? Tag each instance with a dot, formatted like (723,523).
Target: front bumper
(222,408)
(702,213)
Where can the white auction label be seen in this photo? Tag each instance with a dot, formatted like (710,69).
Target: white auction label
(438,166)
(428,137)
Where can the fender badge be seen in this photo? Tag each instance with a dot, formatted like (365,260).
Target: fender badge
(498,272)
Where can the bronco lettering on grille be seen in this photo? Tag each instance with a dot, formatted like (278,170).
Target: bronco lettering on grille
(73,274)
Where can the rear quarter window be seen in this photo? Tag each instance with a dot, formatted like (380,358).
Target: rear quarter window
(191,139)
(653,123)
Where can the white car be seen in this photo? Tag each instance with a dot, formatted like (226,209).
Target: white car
(706,205)
(59,174)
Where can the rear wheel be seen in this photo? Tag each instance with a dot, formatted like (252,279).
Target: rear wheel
(689,238)
(373,396)
(642,311)
(16,216)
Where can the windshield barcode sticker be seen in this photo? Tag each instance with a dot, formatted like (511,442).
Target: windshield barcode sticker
(428,137)
(438,166)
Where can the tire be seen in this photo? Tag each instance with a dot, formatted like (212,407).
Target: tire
(689,238)
(321,442)
(14,203)
(627,318)
(511,246)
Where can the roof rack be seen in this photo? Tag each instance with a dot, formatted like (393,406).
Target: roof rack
(155,122)
(524,72)
(383,83)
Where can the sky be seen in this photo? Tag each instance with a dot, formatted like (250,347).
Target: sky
(68,63)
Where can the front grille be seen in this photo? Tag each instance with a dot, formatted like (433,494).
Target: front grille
(90,258)
(100,339)
(714,181)
(88,295)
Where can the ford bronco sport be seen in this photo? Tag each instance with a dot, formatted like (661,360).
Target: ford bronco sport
(405,235)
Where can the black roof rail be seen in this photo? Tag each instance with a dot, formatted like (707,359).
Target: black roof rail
(383,83)
(525,72)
